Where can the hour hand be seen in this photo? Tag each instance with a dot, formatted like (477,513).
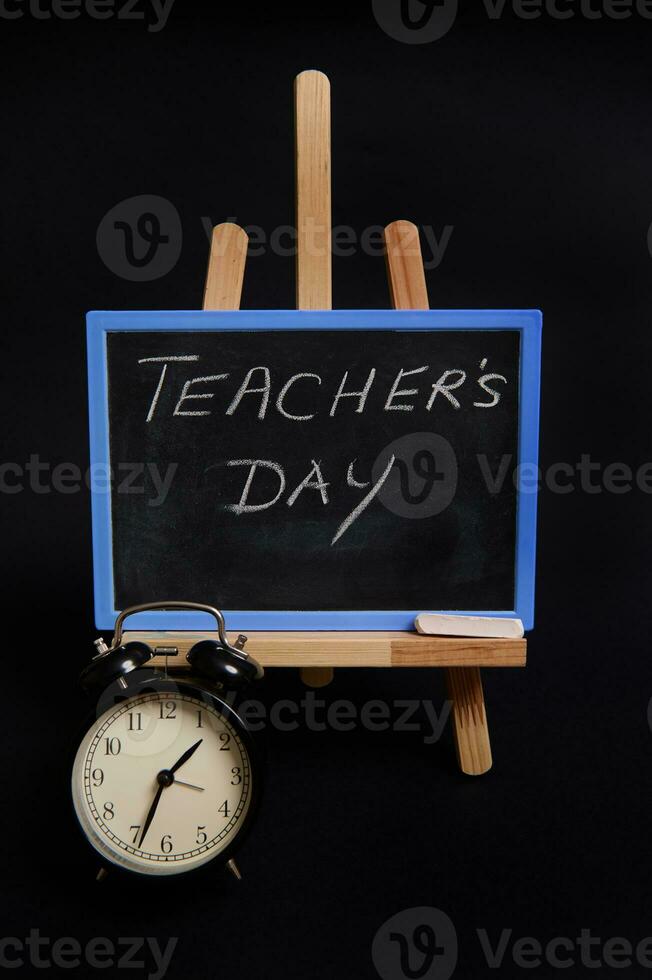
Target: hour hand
(186,755)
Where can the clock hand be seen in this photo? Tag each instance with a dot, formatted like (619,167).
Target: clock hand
(186,755)
(166,778)
(152,811)
(180,782)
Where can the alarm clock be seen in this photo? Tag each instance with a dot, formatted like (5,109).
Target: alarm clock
(166,778)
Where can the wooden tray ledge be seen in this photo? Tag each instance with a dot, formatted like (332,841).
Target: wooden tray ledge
(355,649)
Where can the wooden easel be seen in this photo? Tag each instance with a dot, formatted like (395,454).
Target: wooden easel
(318,653)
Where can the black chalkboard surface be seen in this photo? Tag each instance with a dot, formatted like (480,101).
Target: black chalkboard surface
(301,470)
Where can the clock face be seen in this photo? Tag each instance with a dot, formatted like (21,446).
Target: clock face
(162,783)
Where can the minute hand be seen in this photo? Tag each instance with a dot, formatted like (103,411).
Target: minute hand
(186,755)
(152,811)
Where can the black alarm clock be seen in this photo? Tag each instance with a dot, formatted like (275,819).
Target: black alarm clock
(166,778)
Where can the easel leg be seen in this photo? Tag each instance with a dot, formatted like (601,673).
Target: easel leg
(470,728)
(313,198)
(407,285)
(316,676)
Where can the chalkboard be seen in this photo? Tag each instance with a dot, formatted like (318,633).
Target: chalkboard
(336,470)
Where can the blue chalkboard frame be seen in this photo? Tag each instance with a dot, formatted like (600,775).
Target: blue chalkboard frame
(99,323)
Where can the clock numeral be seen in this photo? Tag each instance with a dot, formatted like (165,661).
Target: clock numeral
(167,709)
(199,722)
(166,843)
(135,721)
(225,739)
(201,835)
(224,809)
(109,812)
(112,746)
(136,828)
(237,778)
(98,777)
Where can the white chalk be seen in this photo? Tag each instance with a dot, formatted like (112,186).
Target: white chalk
(443,624)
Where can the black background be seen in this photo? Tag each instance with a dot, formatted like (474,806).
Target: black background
(531,138)
(282,558)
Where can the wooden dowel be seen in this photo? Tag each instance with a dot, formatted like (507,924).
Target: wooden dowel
(313,190)
(407,285)
(226,266)
(407,281)
(312,103)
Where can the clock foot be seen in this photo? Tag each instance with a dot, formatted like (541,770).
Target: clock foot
(234,869)
(102,874)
